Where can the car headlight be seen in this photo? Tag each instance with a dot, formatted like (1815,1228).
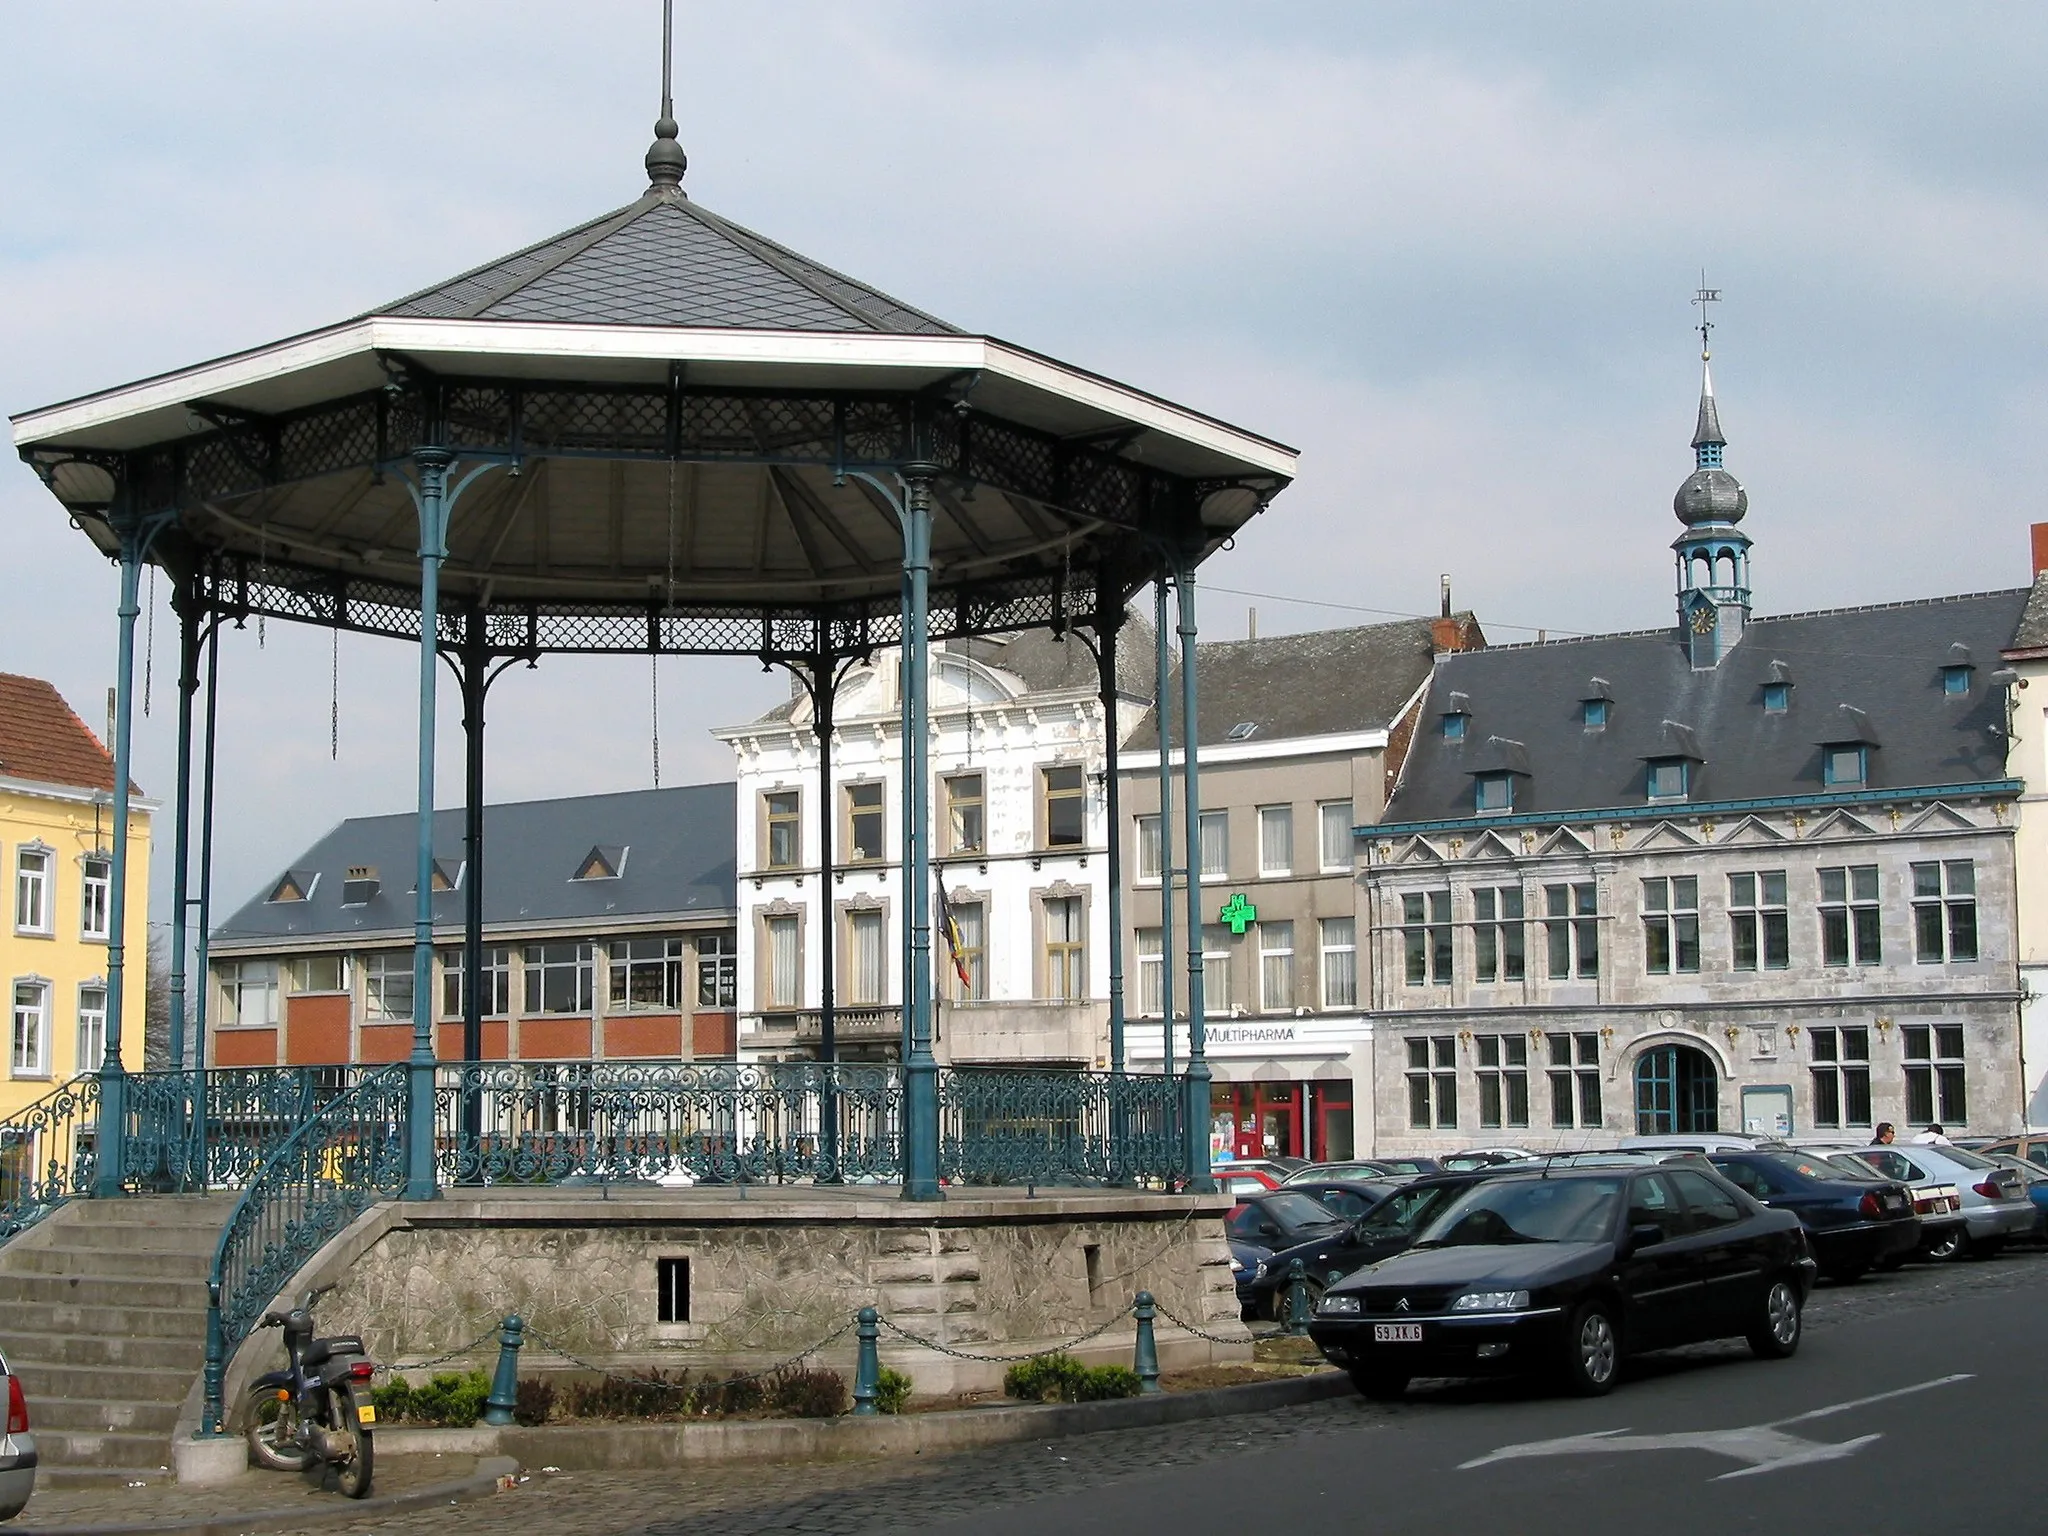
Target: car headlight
(1260,1272)
(1338,1301)
(1235,1264)
(1491,1301)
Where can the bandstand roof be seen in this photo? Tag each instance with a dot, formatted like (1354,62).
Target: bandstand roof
(679,413)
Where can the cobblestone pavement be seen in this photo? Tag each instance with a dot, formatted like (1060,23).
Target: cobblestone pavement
(55,1507)
(846,1498)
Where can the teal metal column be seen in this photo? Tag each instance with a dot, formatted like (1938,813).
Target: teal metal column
(113,1121)
(190,618)
(1162,709)
(431,495)
(920,1070)
(1197,1111)
(1110,626)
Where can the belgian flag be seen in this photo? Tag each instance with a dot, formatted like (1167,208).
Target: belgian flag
(951,930)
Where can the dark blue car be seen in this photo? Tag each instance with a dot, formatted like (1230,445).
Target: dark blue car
(1851,1226)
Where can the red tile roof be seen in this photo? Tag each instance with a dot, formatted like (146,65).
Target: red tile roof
(43,741)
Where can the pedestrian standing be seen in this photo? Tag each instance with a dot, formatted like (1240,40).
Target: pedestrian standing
(1932,1137)
(1885,1133)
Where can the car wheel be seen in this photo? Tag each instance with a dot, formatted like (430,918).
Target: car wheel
(1378,1385)
(1778,1324)
(1592,1357)
(1944,1246)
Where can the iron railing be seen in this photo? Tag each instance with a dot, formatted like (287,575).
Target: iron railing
(46,1153)
(347,1154)
(592,1122)
(213,1129)
(1039,1125)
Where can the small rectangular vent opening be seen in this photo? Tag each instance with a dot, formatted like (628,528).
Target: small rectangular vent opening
(672,1290)
(1091,1255)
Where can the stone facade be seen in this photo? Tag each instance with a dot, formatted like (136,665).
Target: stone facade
(770,1275)
(1465,1059)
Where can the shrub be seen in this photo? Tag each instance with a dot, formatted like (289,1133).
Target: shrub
(450,1398)
(1060,1378)
(630,1397)
(536,1402)
(892,1390)
(807,1394)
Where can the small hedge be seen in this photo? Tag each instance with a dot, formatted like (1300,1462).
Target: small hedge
(892,1390)
(448,1398)
(789,1392)
(1060,1378)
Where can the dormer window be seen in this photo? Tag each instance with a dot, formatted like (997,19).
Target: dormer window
(1777,698)
(1242,731)
(359,888)
(1454,726)
(1593,714)
(1668,778)
(1955,679)
(295,885)
(606,861)
(1493,793)
(1845,765)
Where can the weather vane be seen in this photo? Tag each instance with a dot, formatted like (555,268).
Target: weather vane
(1703,298)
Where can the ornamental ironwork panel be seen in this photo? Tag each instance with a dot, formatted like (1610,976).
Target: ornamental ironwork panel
(327,441)
(347,1155)
(1045,1126)
(214,1129)
(46,1153)
(666,1122)
(474,416)
(594,421)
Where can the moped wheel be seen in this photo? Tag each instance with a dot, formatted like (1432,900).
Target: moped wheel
(270,1423)
(352,1476)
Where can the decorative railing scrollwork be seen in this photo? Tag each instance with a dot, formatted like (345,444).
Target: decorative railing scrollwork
(1047,1126)
(46,1153)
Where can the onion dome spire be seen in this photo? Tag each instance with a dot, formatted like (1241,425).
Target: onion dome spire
(666,161)
(1710,494)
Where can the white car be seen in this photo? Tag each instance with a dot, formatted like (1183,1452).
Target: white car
(1702,1141)
(17,1451)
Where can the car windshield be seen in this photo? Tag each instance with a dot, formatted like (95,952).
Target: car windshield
(1299,1210)
(1853,1167)
(1966,1159)
(1528,1211)
(1334,1171)
(1405,1210)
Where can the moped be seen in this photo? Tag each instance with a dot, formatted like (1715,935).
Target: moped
(317,1409)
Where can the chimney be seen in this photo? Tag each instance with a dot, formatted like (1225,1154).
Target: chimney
(1443,583)
(360,886)
(2040,533)
(108,741)
(1251,623)
(1446,634)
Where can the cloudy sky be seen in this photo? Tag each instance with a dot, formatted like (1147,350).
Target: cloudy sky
(1445,250)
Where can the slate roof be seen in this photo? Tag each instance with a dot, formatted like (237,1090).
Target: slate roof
(1324,683)
(2031,633)
(42,740)
(680,860)
(664,260)
(1858,674)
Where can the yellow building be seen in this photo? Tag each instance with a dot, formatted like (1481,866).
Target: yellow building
(56,831)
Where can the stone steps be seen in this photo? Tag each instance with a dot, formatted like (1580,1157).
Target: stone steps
(131,1263)
(32,1352)
(26,1321)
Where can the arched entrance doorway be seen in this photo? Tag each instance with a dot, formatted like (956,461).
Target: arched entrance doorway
(1677,1092)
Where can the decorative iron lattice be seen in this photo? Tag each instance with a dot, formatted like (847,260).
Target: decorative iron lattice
(838,431)
(48,1151)
(1020,1126)
(243,587)
(542,1123)
(197,1130)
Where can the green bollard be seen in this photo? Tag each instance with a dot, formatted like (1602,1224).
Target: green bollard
(505,1384)
(867,1370)
(1145,1360)
(1297,1298)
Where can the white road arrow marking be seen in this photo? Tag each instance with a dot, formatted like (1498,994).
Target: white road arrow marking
(1762,1447)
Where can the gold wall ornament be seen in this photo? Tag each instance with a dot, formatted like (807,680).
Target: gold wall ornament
(1884,1026)
(1707,830)
(1457,846)
(1792,1030)
(1798,826)
(1893,812)
(1998,812)
(1617,835)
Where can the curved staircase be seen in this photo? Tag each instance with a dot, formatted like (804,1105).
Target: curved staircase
(103,1317)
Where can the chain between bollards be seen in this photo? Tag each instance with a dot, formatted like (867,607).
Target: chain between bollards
(504,1398)
(1145,1357)
(867,1370)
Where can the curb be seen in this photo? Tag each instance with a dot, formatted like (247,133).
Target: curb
(479,1484)
(652,1447)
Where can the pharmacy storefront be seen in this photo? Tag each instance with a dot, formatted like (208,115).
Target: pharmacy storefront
(1283,1087)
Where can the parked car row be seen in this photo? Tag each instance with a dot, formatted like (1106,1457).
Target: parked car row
(1499,1259)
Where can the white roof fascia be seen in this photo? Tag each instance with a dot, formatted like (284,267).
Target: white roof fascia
(627,343)
(73,794)
(1255,751)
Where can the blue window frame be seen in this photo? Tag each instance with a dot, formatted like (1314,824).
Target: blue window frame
(1494,792)
(1454,727)
(1955,680)
(1777,698)
(1845,765)
(1593,713)
(1668,778)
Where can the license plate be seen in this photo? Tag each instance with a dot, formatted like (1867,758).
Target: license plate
(365,1414)
(1397,1333)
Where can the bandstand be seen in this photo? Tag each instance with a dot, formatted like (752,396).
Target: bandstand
(655,433)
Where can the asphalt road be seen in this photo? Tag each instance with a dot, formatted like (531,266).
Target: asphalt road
(1958,1455)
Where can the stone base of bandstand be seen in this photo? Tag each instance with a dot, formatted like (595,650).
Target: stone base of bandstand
(771,1272)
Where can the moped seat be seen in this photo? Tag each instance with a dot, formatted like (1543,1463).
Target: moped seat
(320,1351)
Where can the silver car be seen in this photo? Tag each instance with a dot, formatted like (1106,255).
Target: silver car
(17,1451)
(1996,1208)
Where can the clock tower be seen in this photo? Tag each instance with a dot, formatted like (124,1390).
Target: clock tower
(1713,553)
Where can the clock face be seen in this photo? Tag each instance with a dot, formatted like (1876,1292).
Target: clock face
(1703,621)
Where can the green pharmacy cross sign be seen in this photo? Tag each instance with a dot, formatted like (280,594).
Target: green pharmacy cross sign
(1238,913)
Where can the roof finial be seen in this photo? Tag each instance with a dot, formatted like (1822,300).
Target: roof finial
(1707,441)
(666,161)
(1703,298)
